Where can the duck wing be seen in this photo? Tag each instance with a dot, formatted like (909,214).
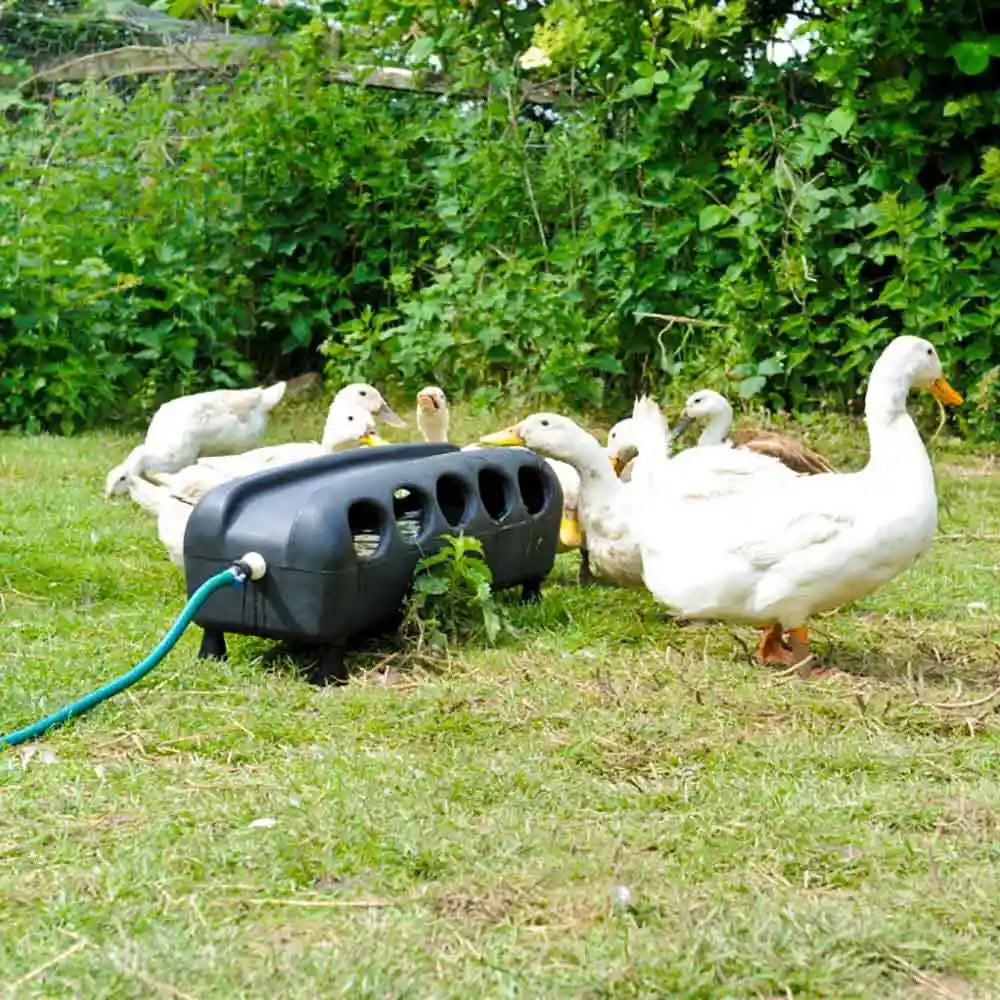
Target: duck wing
(786,450)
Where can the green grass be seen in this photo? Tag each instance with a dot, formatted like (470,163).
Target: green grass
(461,832)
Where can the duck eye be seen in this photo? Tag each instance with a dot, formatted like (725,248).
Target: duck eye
(363,392)
(930,352)
(545,423)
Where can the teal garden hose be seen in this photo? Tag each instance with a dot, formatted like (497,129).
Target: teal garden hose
(251,566)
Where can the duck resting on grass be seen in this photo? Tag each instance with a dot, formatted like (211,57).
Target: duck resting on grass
(347,426)
(711,411)
(219,422)
(777,553)
(173,497)
(433,417)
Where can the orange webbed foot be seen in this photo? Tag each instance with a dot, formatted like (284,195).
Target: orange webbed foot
(776,647)
(771,648)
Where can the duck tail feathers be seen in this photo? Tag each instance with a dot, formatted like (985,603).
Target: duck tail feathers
(273,395)
(649,426)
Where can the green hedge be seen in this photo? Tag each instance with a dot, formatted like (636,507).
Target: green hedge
(794,217)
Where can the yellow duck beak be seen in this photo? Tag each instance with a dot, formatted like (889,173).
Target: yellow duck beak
(373,441)
(617,463)
(942,391)
(570,535)
(509,438)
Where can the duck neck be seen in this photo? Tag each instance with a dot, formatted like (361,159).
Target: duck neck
(434,427)
(896,446)
(715,431)
(138,461)
(591,461)
(145,494)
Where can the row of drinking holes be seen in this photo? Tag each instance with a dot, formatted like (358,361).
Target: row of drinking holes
(454,498)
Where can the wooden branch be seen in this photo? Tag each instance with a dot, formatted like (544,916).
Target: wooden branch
(398,78)
(693,320)
(144,60)
(238,50)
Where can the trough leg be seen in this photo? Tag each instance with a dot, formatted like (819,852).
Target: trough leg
(531,592)
(213,645)
(586,577)
(332,669)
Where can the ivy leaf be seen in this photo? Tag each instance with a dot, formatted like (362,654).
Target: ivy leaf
(301,331)
(751,386)
(643,86)
(841,120)
(972,58)
(607,363)
(422,48)
(711,216)
(644,68)
(770,366)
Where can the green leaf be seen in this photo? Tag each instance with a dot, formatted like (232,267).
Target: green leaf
(422,48)
(770,366)
(660,77)
(301,331)
(841,120)
(644,68)
(607,363)
(711,216)
(972,58)
(751,386)
(427,584)
(643,86)
(183,8)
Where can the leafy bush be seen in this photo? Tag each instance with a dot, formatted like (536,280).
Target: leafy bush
(689,212)
(157,238)
(452,599)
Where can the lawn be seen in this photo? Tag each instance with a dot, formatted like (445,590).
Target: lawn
(605,805)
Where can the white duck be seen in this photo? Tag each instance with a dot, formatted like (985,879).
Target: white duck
(433,417)
(621,448)
(171,513)
(174,497)
(607,505)
(218,422)
(781,552)
(711,410)
(368,398)
(708,471)
(347,426)
(600,510)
